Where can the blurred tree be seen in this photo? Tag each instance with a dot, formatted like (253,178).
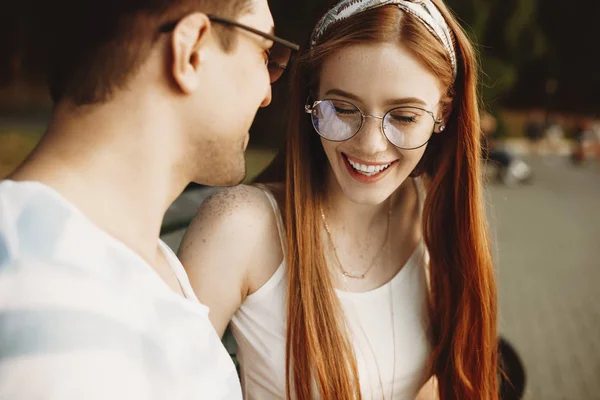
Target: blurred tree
(508,37)
(506,33)
(524,46)
(22,84)
(572,29)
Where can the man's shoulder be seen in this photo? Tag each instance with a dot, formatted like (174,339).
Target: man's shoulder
(34,220)
(49,256)
(24,203)
(19,193)
(29,283)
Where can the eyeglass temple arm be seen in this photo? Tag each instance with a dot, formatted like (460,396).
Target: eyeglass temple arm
(288,44)
(308,108)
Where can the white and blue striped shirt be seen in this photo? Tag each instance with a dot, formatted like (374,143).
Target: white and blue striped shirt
(82,316)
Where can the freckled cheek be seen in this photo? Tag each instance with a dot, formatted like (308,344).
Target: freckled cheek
(410,158)
(331,151)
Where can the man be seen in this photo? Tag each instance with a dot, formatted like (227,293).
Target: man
(148,96)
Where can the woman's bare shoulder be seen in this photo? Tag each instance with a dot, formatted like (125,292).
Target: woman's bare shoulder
(234,226)
(243,210)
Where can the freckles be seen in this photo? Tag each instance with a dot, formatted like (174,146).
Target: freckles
(410,158)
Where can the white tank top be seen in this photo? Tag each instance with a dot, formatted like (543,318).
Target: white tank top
(259,327)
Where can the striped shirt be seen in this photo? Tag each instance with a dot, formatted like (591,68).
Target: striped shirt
(82,316)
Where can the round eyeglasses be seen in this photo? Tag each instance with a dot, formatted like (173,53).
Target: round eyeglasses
(406,127)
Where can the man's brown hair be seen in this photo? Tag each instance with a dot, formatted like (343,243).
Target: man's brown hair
(95,46)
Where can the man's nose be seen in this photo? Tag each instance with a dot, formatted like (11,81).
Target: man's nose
(268,97)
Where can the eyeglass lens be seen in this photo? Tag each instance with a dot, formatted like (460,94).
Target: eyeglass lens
(405,127)
(279,57)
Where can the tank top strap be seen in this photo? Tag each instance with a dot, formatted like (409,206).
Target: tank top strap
(278,216)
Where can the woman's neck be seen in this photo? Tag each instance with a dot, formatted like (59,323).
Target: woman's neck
(344,213)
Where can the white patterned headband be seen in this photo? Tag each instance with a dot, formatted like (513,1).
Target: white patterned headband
(424,10)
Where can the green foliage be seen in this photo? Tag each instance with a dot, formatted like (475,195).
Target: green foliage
(498,78)
(507,35)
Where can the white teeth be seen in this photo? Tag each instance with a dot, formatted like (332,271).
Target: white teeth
(367,169)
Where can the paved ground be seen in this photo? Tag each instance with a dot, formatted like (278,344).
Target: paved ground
(548,259)
(547,239)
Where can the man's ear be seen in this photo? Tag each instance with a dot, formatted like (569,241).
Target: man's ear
(190,45)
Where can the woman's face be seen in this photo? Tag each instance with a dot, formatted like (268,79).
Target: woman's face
(377,78)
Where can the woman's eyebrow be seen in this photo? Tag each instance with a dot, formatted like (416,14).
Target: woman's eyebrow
(390,102)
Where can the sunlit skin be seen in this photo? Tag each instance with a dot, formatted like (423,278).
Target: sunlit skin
(356,211)
(363,209)
(230,104)
(383,76)
(184,116)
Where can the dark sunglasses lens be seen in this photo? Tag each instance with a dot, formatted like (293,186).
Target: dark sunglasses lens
(278,61)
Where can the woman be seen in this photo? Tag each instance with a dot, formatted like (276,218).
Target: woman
(378,275)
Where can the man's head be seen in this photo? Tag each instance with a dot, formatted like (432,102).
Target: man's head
(206,79)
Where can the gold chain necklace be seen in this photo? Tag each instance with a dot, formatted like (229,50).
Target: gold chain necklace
(345,273)
(391,298)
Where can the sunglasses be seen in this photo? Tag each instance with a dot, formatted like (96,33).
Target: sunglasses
(279,54)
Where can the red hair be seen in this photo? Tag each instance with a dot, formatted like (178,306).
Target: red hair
(463,303)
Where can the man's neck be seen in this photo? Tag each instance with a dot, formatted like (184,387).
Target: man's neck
(118,168)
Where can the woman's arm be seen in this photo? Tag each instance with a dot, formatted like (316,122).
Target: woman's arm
(230,249)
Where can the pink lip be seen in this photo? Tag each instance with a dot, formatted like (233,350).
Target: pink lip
(364,178)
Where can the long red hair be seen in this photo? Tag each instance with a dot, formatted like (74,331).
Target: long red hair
(463,303)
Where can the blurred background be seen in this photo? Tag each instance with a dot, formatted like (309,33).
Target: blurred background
(541,123)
